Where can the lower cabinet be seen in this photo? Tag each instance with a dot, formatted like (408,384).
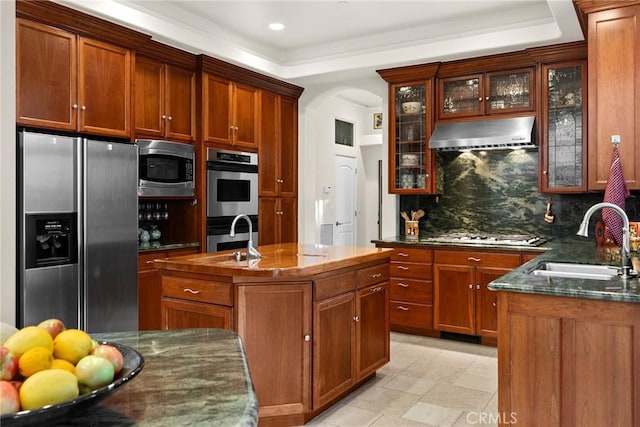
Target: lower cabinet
(150,288)
(274,321)
(568,361)
(463,303)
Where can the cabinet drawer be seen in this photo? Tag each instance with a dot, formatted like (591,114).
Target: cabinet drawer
(412,255)
(145,260)
(197,290)
(487,259)
(371,275)
(334,285)
(415,271)
(408,314)
(418,291)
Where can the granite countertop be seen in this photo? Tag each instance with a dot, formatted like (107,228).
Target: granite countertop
(280,260)
(427,242)
(578,251)
(156,245)
(190,377)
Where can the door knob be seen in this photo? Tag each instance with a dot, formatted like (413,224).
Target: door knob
(339,223)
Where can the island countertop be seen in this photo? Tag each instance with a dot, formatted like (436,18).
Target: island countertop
(279,260)
(190,377)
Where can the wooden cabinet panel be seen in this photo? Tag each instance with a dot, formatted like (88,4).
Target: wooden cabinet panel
(104,92)
(418,316)
(372,337)
(180,104)
(288,147)
(274,322)
(370,275)
(454,298)
(246,104)
(178,314)
(149,297)
(198,290)
(149,105)
(476,258)
(614,91)
(412,270)
(411,290)
(412,255)
(278,219)
(334,347)
(334,285)
(486,301)
(46,76)
(270,148)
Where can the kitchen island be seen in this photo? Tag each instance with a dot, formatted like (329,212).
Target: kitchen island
(190,377)
(568,348)
(314,319)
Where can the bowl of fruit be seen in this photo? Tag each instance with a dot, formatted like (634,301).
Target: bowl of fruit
(48,372)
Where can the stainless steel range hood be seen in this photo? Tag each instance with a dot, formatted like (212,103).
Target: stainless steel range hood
(496,134)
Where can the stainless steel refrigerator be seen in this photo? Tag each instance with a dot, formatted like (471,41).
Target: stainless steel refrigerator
(77,232)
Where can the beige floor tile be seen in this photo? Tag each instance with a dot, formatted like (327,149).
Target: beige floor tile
(385,401)
(408,384)
(453,396)
(432,414)
(345,416)
(485,366)
(386,421)
(477,382)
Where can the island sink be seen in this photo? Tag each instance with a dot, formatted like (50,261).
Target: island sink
(575,271)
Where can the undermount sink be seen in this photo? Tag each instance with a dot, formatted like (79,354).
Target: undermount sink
(575,271)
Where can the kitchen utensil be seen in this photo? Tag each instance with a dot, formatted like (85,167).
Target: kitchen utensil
(548,215)
(405,216)
(413,215)
(419,214)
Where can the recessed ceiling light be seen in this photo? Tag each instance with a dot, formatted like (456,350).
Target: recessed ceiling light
(276,26)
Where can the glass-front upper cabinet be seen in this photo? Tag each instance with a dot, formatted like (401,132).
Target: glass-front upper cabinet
(563,152)
(500,92)
(410,160)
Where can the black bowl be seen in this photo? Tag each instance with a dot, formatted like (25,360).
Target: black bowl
(133,363)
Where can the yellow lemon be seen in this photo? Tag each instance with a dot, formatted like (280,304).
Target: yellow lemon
(63,364)
(28,337)
(72,345)
(48,387)
(34,360)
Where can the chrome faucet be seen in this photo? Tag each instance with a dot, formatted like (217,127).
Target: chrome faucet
(252,253)
(626,252)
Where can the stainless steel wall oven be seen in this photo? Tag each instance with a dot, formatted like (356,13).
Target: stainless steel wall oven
(232,189)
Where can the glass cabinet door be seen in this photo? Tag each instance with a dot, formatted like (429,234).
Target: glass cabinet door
(563,148)
(508,92)
(410,160)
(460,97)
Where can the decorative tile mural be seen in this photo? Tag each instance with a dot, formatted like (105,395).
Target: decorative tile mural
(497,192)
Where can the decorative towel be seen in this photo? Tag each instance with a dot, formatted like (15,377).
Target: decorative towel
(615,193)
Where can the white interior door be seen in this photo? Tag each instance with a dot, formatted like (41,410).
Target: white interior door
(345,191)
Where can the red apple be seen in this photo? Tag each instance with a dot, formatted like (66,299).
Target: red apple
(94,372)
(53,326)
(110,353)
(8,364)
(9,398)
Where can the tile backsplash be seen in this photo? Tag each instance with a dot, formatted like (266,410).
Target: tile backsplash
(497,192)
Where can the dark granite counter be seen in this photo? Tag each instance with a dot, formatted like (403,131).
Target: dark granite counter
(573,251)
(427,242)
(190,377)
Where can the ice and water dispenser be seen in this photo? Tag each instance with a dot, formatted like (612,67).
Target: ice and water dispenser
(51,239)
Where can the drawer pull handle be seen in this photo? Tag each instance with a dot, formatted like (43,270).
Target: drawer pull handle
(474,259)
(191,291)
(376,289)
(149,262)
(402,254)
(402,267)
(375,276)
(403,285)
(402,308)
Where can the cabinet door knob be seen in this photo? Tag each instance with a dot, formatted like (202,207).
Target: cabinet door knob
(307,337)
(487,98)
(544,172)
(470,286)
(493,304)
(480,99)
(169,118)
(191,291)
(356,318)
(477,286)
(84,107)
(164,116)
(74,106)
(403,285)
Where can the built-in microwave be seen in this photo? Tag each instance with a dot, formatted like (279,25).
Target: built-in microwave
(165,169)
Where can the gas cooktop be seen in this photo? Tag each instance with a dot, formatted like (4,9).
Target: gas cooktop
(487,239)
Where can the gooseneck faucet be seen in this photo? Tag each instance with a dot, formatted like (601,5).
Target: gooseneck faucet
(626,252)
(252,253)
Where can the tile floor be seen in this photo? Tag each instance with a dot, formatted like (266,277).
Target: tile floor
(428,382)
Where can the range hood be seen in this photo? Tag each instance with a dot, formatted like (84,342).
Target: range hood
(496,134)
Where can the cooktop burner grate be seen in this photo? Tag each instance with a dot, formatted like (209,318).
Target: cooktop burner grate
(488,239)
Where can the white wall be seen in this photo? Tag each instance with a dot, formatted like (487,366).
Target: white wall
(319,107)
(7,163)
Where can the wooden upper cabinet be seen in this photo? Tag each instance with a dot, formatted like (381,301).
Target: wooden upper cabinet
(231,112)
(278,151)
(73,83)
(165,101)
(614,92)
(498,92)
(45,95)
